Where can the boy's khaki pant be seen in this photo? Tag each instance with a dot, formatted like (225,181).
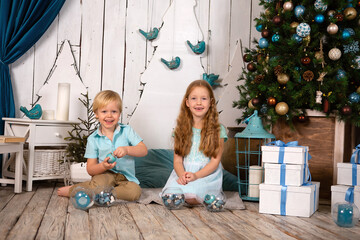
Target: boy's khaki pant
(123,189)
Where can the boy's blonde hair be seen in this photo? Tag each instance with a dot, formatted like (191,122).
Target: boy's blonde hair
(103,98)
(210,132)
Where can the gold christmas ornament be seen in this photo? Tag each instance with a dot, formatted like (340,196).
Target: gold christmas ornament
(293,26)
(307,40)
(281,108)
(331,13)
(358,90)
(319,55)
(288,6)
(335,54)
(283,78)
(332,28)
(350,13)
(250,105)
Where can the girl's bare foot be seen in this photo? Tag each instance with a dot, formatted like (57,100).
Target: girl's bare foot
(64,191)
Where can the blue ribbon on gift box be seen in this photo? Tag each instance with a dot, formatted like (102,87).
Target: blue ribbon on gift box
(283,145)
(349,195)
(355,160)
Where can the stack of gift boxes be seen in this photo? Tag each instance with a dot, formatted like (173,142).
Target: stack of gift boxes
(287,189)
(348,180)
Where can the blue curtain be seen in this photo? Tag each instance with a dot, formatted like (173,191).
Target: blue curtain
(22,23)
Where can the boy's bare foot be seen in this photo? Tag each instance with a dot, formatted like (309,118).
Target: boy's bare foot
(64,191)
(192,201)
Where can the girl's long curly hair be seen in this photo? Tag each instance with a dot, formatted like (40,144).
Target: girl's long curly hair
(210,132)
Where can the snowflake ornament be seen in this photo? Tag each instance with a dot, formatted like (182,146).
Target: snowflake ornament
(352,47)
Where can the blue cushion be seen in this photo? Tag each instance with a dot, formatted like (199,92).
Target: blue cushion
(154,169)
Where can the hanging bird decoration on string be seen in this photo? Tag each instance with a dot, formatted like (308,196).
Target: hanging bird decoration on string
(211,79)
(150,35)
(173,64)
(34,113)
(198,48)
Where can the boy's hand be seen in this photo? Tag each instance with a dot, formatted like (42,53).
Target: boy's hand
(108,165)
(189,177)
(120,152)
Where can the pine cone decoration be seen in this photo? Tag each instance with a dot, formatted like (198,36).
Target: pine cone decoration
(258,79)
(308,75)
(278,69)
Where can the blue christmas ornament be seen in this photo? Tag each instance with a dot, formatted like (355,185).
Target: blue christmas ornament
(214,202)
(34,113)
(354,97)
(263,43)
(303,30)
(112,157)
(357,62)
(264,109)
(299,11)
(320,6)
(340,74)
(346,34)
(259,27)
(211,79)
(297,38)
(319,18)
(350,30)
(82,198)
(351,47)
(275,37)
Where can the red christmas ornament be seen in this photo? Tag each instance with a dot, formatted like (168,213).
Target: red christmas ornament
(255,101)
(251,67)
(339,17)
(346,110)
(277,20)
(305,60)
(247,58)
(326,106)
(265,33)
(271,101)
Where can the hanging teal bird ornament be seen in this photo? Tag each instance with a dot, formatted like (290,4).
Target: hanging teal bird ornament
(34,113)
(198,48)
(173,64)
(211,79)
(150,35)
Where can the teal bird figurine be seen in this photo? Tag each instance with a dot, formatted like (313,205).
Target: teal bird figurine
(211,79)
(173,64)
(34,113)
(150,35)
(198,48)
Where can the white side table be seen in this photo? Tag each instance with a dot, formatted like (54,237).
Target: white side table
(44,133)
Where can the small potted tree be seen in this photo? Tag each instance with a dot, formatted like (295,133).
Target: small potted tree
(75,149)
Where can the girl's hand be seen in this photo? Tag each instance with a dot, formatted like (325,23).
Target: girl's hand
(108,165)
(189,177)
(181,180)
(120,152)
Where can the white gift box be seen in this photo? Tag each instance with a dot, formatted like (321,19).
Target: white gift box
(292,155)
(78,172)
(300,201)
(345,174)
(295,175)
(338,194)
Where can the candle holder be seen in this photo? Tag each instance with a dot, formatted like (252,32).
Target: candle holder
(214,201)
(345,214)
(173,198)
(104,196)
(250,172)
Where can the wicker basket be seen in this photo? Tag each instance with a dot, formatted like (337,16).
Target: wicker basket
(47,162)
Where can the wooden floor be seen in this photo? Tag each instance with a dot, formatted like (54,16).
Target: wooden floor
(41,214)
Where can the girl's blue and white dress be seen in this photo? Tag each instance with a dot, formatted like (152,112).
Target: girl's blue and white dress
(193,162)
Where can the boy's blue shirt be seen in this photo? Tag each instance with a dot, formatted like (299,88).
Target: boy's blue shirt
(98,146)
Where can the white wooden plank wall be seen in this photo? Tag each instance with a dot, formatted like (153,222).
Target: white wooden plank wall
(112,54)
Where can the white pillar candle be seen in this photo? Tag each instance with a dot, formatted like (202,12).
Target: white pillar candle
(48,115)
(63,101)
(255,178)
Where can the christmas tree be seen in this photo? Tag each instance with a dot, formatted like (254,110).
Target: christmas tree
(307,58)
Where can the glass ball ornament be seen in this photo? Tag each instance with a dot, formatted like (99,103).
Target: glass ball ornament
(293,27)
(357,62)
(264,109)
(283,78)
(288,6)
(319,18)
(331,13)
(320,6)
(358,90)
(345,214)
(271,101)
(354,97)
(251,67)
(350,30)
(299,11)
(340,74)
(263,43)
(305,60)
(247,58)
(332,28)
(173,198)
(350,13)
(339,17)
(275,37)
(259,27)
(82,198)
(297,38)
(214,201)
(265,33)
(250,105)
(282,108)
(334,54)
(104,196)
(303,30)
(346,110)
(112,157)
(277,20)
(345,34)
